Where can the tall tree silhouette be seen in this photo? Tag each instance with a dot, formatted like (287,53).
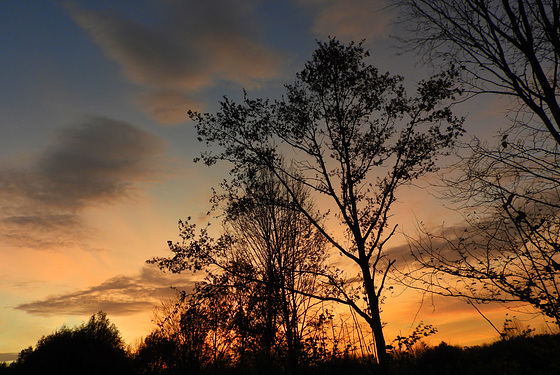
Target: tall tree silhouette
(282,251)
(509,249)
(352,137)
(508,47)
(510,191)
(268,259)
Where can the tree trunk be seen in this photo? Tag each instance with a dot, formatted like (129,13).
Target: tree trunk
(377,329)
(375,320)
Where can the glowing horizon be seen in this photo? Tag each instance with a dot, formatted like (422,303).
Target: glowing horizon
(96,158)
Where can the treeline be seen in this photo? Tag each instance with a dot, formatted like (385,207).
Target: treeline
(191,337)
(96,347)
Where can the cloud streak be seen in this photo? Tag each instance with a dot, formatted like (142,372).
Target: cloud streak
(190,47)
(102,161)
(349,20)
(120,295)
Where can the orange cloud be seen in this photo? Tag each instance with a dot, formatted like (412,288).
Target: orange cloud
(119,295)
(169,106)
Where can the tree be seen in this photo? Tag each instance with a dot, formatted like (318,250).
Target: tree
(509,249)
(282,251)
(352,137)
(188,337)
(506,47)
(92,348)
(268,252)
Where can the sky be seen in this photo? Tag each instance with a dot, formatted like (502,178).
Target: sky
(96,149)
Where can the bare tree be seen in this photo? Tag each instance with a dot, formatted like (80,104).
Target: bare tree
(352,136)
(282,249)
(509,249)
(507,47)
(266,261)
(271,247)
(192,333)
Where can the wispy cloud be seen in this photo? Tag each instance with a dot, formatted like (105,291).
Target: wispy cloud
(190,46)
(349,19)
(120,295)
(101,161)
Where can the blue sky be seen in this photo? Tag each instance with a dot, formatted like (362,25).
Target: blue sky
(96,150)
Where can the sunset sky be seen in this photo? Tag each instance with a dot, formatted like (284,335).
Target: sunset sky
(96,149)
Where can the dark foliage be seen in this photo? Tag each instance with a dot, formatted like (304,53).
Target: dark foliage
(519,355)
(259,273)
(354,137)
(516,355)
(92,348)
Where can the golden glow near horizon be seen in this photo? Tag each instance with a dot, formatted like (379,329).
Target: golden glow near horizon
(96,150)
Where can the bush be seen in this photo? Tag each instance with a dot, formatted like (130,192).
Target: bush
(517,355)
(92,348)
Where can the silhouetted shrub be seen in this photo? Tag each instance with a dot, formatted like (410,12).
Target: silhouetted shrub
(519,355)
(92,348)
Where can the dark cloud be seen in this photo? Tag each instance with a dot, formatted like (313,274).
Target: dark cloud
(186,47)
(99,162)
(120,295)
(399,252)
